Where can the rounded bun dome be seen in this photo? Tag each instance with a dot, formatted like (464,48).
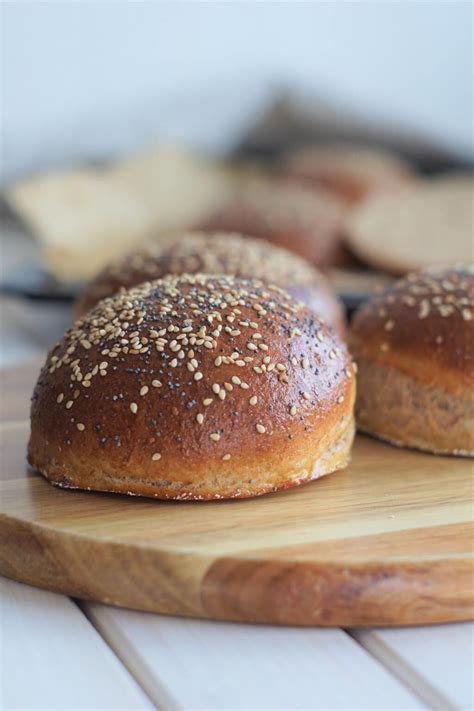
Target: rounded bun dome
(194,387)
(217,253)
(414,345)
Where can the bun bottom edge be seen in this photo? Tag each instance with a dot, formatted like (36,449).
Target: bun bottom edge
(325,460)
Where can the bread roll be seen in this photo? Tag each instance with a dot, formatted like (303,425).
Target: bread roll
(225,253)
(306,222)
(352,172)
(431,223)
(194,387)
(414,347)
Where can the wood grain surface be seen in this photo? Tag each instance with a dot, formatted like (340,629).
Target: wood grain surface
(387,541)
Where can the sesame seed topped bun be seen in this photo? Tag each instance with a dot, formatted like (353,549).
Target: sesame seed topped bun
(194,387)
(221,253)
(414,346)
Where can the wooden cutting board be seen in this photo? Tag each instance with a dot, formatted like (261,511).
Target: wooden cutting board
(387,541)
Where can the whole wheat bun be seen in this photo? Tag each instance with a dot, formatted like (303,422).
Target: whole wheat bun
(352,172)
(414,347)
(428,224)
(194,387)
(302,220)
(224,253)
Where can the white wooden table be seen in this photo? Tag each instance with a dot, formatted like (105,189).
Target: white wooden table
(58,653)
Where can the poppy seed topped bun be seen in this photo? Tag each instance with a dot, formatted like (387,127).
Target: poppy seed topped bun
(351,172)
(414,347)
(225,253)
(302,220)
(194,387)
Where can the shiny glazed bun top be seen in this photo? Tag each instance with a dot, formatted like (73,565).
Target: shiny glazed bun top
(217,253)
(424,325)
(187,379)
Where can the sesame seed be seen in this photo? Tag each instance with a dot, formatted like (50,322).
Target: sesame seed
(222,394)
(306,396)
(218,360)
(424,308)
(134,407)
(236,380)
(260,428)
(215,436)
(144,390)
(340,399)
(69,404)
(226,457)
(305,362)
(156,383)
(156,457)
(207,401)
(389,325)
(293,410)
(80,427)
(216,388)
(253,400)
(60,398)
(200,418)
(198,375)
(174,363)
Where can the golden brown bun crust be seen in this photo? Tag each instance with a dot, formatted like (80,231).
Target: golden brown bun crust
(199,387)
(301,220)
(421,327)
(351,172)
(402,410)
(221,253)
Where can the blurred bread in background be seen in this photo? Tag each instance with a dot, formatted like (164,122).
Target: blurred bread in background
(79,217)
(85,217)
(304,221)
(428,223)
(350,171)
(178,186)
(217,253)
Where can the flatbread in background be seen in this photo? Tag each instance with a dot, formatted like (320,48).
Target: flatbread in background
(429,224)
(179,187)
(83,218)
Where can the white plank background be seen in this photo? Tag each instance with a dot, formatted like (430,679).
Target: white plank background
(436,661)
(53,658)
(197,664)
